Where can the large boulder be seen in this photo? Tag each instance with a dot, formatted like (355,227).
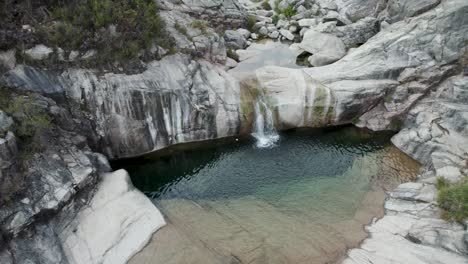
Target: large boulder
(235,40)
(325,48)
(300,100)
(354,34)
(286,34)
(117,223)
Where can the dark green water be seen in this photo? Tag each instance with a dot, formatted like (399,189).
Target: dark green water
(316,188)
(228,168)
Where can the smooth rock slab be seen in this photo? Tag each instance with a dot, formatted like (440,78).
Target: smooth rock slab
(118,223)
(387,245)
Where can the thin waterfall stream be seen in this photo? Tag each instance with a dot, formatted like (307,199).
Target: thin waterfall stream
(264,127)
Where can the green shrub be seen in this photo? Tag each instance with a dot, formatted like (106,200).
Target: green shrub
(276,9)
(275,19)
(200,25)
(453,199)
(396,124)
(85,25)
(388,98)
(266,5)
(232,54)
(30,118)
(289,11)
(251,20)
(181,29)
(442,183)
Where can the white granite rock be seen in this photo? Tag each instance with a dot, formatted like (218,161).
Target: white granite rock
(274,35)
(8,59)
(244,32)
(308,22)
(89,54)
(73,55)
(326,48)
(230,63)
(118,223)
(39,52)
(287,34)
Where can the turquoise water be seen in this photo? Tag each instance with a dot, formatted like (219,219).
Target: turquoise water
(316,188)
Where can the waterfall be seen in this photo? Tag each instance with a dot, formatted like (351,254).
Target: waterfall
(264,128)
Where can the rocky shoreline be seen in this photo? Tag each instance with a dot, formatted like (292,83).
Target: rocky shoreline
(398,65)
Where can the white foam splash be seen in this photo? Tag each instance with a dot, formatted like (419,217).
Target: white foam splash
(264,128)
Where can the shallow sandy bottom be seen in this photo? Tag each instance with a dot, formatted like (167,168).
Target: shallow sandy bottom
(290,229)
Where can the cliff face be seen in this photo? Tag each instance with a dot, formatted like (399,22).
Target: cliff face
(175,100)
(179,99)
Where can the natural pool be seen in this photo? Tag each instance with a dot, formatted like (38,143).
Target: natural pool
(306,200)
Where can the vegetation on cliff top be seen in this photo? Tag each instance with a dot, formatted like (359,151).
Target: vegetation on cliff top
(119,31)
(31,120)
